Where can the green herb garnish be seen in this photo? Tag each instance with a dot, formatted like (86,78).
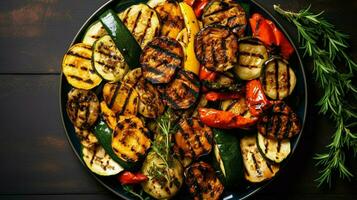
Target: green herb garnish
(130,189)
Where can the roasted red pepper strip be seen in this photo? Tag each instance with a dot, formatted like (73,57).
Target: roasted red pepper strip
(198,7)
(256,99)
(224,119)
(286,49)
(190,2)
(215,96)
(207,75)
(129,178)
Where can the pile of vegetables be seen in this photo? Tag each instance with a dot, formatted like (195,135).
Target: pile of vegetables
(169,93)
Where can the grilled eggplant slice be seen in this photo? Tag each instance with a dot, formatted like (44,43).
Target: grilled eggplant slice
(183,91)
(78,69)
(82,108)
(193,139)
(160,59)
(216,48)
(227,13)
(273,150)
(252,55)
(133,77)
(93,33)
(279,122)
(130,140)
(257,169)
(203,182)
(86,137)
(121,98)
(278,78)
(142,22)
(108,61)
(108,115)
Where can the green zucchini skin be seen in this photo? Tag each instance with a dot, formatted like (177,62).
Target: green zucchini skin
(104,135)
(228,147)
(122,37)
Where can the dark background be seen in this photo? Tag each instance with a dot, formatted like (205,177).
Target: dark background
(36,160)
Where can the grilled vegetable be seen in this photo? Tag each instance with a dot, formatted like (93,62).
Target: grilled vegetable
(256,99)
(163,182)
(203,182)
(78,69)
(257,169)
(86,137)
(142,22)
(216,48)
(99,162)
(130,140)
(108,61)
(133,76)
(252,55)
(108,115)
(227,13)
(129,178)
(122,37)
(160,59)
(193,139)
(228,157)
(278,78)
(280,122)
(82,108)
(237,106)
(93,33)
(183,91)
(216,96)
(273,150)
(121,98)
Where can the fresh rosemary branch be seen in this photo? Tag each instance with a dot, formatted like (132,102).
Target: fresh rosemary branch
(130,189)
(320,41)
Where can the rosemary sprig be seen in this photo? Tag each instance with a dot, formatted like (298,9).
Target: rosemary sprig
(130,189)
(320,41)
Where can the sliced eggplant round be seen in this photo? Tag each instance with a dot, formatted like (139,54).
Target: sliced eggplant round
(202,181)
(108,61)
(82,108)
(193,139)
(133,76)
(278,78)
(93,33)
(86,137)
(160,59)
(183,91)
(279,122)
(78,69)
(252,55)
(142,22)
(216,48)
(273,150)
(227,13)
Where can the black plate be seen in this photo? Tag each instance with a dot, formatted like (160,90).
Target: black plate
(298,103)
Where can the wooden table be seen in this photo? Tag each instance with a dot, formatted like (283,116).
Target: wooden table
(37,161)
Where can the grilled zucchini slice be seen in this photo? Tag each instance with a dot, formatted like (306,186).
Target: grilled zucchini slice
(78,68)
(227,13)
(257,169)
(82,108)
(108,115)
(236,106)
(121,98)
(160,59)
(216,48)
(99,162)
(278,78)
(279,122)
(86,137)
(273,150)
(183,91)
(193,139)
(142,22)
(108,61)
(252,55)
(130,139)
(93,33)
(202,181)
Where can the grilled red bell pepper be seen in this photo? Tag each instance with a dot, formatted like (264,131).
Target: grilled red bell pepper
(215,96)
(256,99)
(198,7)
(190,2)
(207,75)
(224,119)
(129,178)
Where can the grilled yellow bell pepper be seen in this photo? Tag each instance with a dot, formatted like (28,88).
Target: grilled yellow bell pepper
(192,27)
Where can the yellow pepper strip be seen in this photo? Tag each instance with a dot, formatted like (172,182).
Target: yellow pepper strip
(190,63)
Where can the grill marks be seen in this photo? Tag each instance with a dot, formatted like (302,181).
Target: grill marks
(78,69)
(82,108)
(226,13)
(193,139)
(216,48)
(203,182)
(279,123)
(160,59)
(183,91)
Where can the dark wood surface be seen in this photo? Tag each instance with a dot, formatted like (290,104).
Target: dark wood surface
(37,162)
